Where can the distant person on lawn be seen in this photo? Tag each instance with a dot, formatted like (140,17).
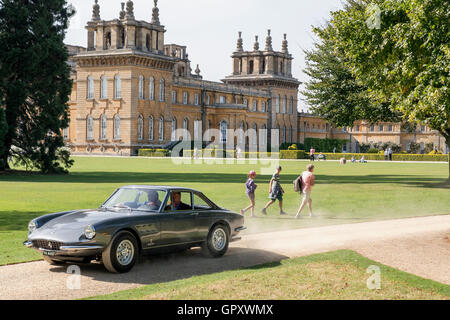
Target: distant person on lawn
(390,154)
(308,181)
(386,155)
(250,188)
(312,153)
(275,192)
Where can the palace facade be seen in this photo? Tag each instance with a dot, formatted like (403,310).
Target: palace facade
(131,90)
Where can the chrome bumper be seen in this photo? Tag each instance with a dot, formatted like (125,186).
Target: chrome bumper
(240,229)
(66,250)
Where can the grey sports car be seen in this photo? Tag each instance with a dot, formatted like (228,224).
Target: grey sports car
(136,220)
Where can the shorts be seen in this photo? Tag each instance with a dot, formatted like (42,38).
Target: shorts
(306,195)
(251,196)
(276,196)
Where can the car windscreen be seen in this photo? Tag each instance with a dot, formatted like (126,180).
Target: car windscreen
(139,199)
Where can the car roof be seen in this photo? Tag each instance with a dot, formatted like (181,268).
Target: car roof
(163,188)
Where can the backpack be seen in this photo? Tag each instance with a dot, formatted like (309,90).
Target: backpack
(298,184)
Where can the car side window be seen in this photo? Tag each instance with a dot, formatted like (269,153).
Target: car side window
(179,201)
(200,202)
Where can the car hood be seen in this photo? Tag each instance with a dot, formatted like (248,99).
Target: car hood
(70,227)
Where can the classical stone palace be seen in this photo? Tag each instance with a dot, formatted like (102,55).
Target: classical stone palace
(132,90)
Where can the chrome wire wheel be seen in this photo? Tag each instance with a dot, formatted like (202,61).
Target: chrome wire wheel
(219,239)
(125,252)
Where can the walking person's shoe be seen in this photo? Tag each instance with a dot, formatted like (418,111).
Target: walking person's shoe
(283,213)
(264,211)
(242,212)
(311,215)
(297,216)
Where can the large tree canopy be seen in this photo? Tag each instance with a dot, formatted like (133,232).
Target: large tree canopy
(35,82)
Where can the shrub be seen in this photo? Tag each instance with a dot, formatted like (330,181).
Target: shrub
(395,157)
(293,147)
(153,153)
(373,150)
(324,145)
(292,154)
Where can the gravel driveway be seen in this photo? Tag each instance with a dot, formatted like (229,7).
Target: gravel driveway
(416,245)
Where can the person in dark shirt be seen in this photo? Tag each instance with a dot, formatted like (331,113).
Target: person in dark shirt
(177,204)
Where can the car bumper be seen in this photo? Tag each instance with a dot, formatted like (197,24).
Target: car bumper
(68,251)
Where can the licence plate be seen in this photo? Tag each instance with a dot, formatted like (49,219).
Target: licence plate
(49,253)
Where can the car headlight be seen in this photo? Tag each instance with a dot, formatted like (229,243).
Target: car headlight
(89,232)
(32,226)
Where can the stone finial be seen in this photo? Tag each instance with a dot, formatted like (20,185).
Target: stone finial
(130,9)
(155,13)
(240,43)
(197,70)
(284,47)
(269,41)
(96,11)
(122,13)
(256,46)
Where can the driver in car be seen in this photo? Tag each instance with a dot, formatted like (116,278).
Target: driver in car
(177,204)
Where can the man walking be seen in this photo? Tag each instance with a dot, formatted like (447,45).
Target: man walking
(308,181)
(312,154)
(390,154)
(275,192)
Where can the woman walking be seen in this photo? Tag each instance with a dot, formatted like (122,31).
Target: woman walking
(250,188)
(308,181)
(275,192)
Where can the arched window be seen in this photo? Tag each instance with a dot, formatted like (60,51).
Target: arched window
(251,67)
(117,127)
(291,135)
(255,134)
(150,129)
(255,105)
(104,88)
(151,89)
(140,128)
(223,131)
(174,129)
(285,104)
(90,128)
(185,129)
(141,87)
(117,87)
(283,134)
(277,104)
(90,88)
(162,90)
(291,106)
(263,108)
(103,127)
(185,98)
(161,129)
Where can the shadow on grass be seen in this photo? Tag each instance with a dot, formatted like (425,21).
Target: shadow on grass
(17,220)
(125,178)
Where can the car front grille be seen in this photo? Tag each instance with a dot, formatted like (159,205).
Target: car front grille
(47,245)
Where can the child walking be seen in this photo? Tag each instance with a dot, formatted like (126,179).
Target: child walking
(250,188)
(275,192)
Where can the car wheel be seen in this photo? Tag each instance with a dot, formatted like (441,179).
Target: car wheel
(121,254)
(53,262)
(216,244)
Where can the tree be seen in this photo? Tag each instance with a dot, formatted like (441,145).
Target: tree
(399,49)
(333,92)
(35,82)
(3,131)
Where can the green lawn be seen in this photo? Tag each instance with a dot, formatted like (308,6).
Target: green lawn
(344,194)
(334,275)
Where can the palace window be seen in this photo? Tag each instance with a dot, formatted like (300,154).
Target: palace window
(197,130)
(358,128)
(90,128)
(196,99)
(117,87)
(372,128)
(174,129)
(208,100)
(140,128)
(103,127)
(150,129)
(104,88)
(241,133)
(161,129)
(246,102)
(90,88)
(291,134)
(277,104)
(381,128)
(223,131)
(263,135)
(174,97)
(141,87)
(263,108)
(255,106)
(162,90)
(151,89)
(283,135)
(117,127)
(390,128)
(222,99)
(285,104)
(291,106)
(185,98)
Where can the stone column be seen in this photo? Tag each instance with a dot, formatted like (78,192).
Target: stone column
(115,37)
(91,40)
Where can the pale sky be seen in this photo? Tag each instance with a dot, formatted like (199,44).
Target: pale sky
(209,28)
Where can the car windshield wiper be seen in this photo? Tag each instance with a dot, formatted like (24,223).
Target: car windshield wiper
(122,207)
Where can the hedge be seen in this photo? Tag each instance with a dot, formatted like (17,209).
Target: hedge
(153,153)
(283,154)
(395,157)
